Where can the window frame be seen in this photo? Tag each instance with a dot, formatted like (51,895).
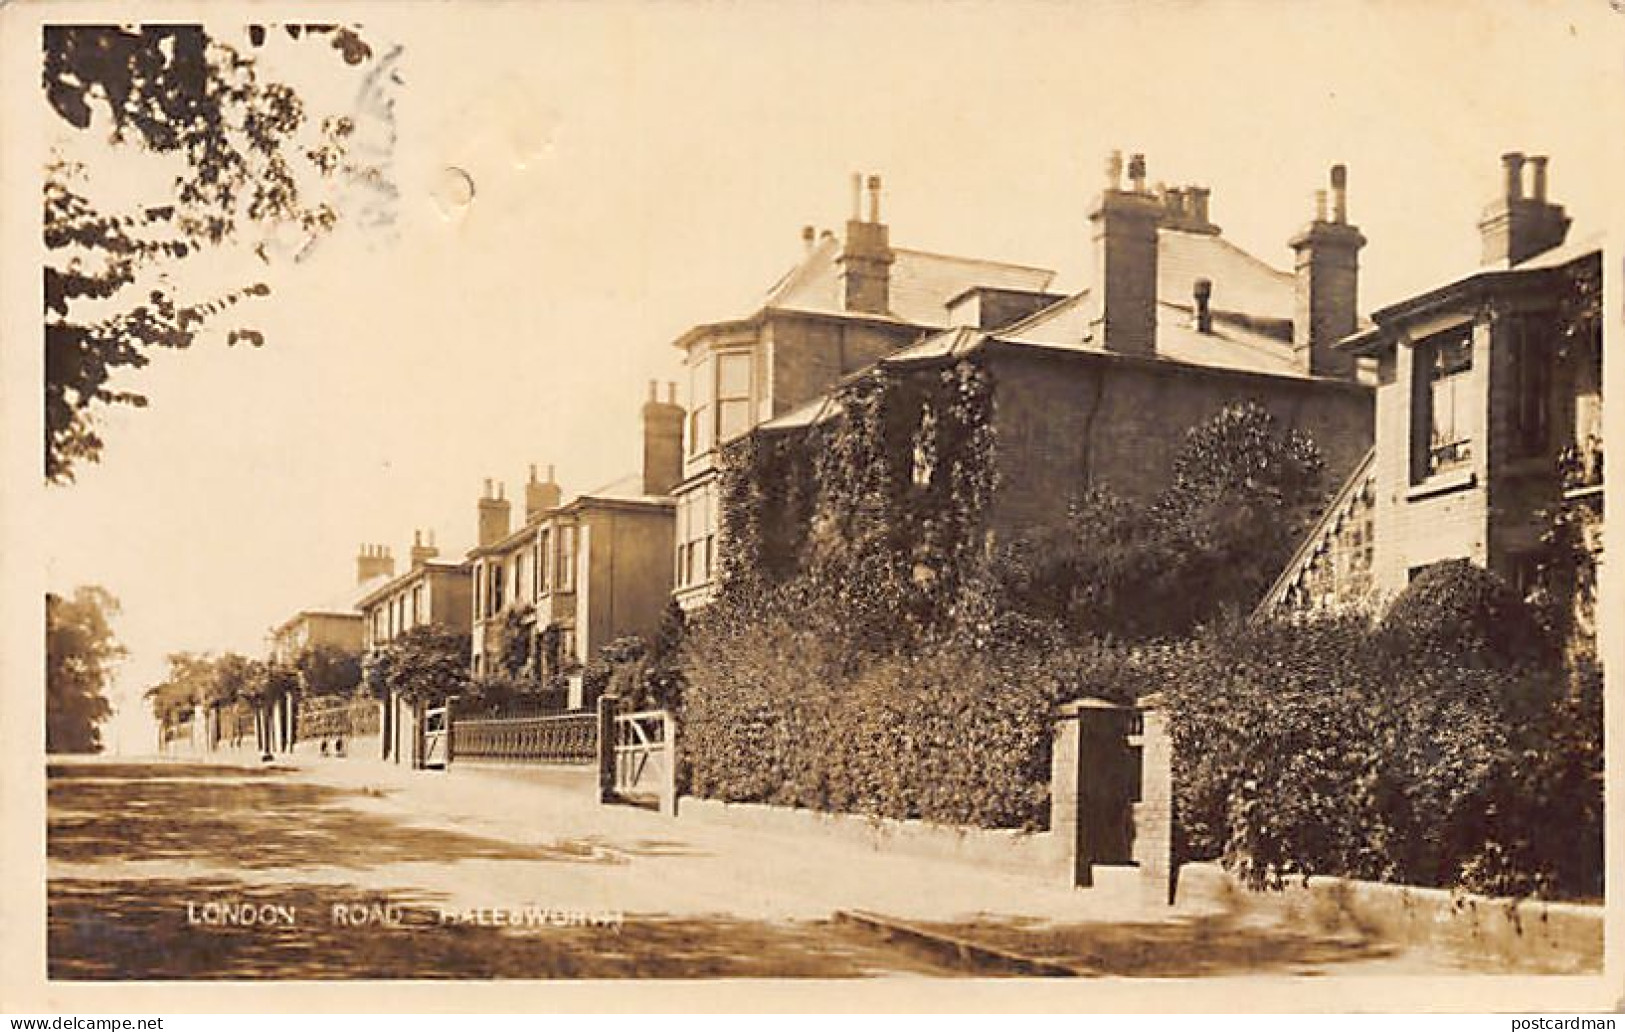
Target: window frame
(704,428)
(1437,379)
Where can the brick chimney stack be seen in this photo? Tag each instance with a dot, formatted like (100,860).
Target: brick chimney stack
(1327,268)
(1516,227)
(541,495)
(423,548)
(1123,314)
(494,510)
(373,561)
(866,260)
(662,442)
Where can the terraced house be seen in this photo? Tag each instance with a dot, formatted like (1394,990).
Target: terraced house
(1092,388)
(1489,416)
(577,575)
(431,591)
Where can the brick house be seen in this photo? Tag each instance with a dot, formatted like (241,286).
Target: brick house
(1489,414)
(431,591)
(848,303)
(335,624)
(1099,387)
(578,574)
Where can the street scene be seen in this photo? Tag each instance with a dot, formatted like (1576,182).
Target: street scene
(430,877)
(495,531)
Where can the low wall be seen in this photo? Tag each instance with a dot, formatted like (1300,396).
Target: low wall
(1034,854)
(1523,935)
(360,747)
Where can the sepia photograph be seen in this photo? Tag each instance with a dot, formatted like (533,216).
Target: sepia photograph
(812,506)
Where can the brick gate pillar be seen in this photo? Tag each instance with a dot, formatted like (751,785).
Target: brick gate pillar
(1154,812)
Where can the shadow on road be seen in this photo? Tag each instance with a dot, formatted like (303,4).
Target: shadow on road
(238,815)
(111,930)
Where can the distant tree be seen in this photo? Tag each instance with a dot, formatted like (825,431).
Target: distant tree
(247,155)
(427,663)
(80,652)
(328,670)
(191,681)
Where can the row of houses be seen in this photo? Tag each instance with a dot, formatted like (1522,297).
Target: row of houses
(1452,418)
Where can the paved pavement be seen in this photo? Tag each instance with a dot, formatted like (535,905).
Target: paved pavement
(345,868)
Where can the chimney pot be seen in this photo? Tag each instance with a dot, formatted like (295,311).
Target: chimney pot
(1114,170)
(1136,173)
(1539,191)
(874,198)
(1340,199)
(671,392)
(550,472)
(1199,204)
(857,196)
(809,238)
(1512,165)
(1320,205)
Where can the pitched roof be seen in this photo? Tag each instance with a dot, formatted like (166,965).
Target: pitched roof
(1232,344)
(922,283)
(1241,282)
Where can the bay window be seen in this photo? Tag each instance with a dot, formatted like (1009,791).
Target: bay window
(720,399)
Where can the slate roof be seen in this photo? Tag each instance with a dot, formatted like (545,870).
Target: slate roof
(1241,282)
(922,283)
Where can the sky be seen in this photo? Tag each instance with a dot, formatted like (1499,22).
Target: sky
(638,168)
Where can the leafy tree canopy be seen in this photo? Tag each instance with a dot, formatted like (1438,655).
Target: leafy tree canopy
(248,154)
(1242,489)
(427,663)
(328,670)
(80,653)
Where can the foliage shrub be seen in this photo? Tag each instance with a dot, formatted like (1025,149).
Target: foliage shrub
(954,732)
(425,664)
(870,653)
(1445,747)
(1241,490)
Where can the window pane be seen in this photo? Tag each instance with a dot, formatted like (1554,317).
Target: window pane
(733,375)
(734,418)
(700,384)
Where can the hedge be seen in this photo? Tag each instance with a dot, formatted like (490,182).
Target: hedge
(956,732)
(1445,752)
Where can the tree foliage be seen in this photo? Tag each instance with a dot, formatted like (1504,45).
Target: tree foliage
(428,663)
(219,681)
(327,669)
(249,155)
(1241,491)
(80,654)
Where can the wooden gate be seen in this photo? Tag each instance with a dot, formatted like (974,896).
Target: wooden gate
(435,738)
(637,756)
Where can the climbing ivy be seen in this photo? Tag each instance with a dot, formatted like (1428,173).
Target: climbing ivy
(878,510)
